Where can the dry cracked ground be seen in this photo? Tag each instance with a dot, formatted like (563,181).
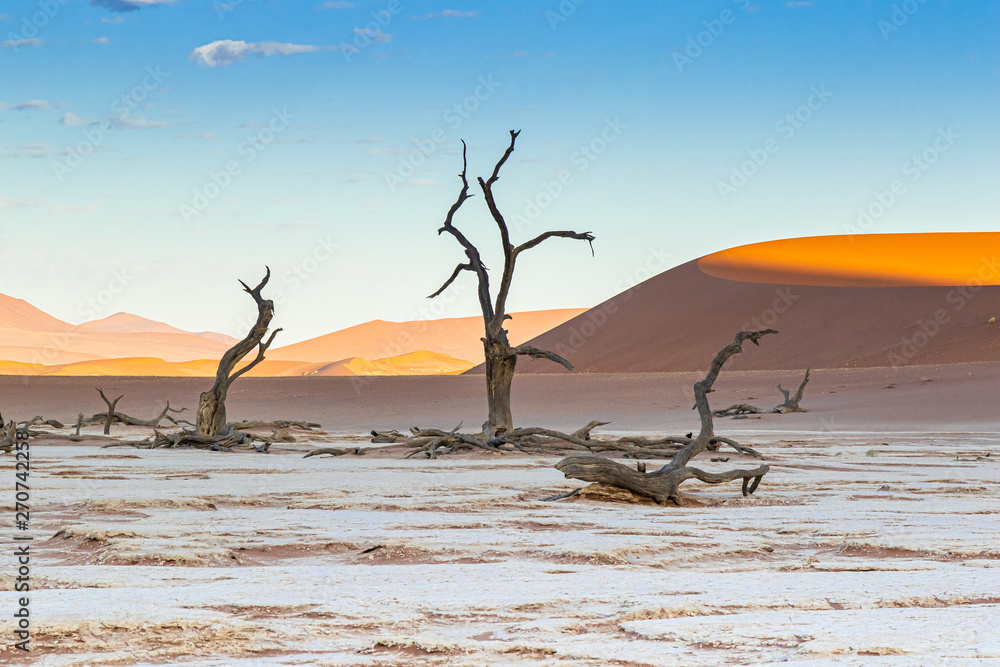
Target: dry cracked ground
(858,549)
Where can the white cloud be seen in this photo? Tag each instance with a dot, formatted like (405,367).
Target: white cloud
(71,209)
(30,105)
(447,14)
(7,203)
(128,5)
(17,43)
(226,51)
(29,150)
(100,40)
(137,122)
(71,120)
(377,35)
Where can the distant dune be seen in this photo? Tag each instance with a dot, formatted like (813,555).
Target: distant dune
(415,363)
(678,320)
(128,323)
(455,337)
(29,335)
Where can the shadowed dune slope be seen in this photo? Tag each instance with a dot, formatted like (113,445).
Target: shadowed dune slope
(678,320)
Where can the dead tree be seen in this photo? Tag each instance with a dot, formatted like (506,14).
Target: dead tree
(111,409)
(212,404)
(501,356)
(792,404)
(663,484)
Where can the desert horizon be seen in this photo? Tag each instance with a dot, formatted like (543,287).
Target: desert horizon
(541,333)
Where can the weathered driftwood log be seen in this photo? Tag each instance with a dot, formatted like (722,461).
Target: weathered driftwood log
(500,355)
(9,436)
(211,416)
(792,404)
(128,420)
(277,423)
(740,409)
(334,451)
(663,484)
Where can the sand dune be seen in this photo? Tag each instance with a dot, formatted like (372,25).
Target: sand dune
(415,363)
(29,335)
(678,320)
(128,323)
(868,260)
(456,337)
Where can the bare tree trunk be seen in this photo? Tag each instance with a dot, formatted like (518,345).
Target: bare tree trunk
(111,410)
(211,416)
(500,357)
(499,376)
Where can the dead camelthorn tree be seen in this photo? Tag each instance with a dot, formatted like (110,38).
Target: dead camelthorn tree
(211,417)
(663,484)
(501,356)
(792,404)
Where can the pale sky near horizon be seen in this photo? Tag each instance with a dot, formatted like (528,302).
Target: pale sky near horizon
(339,124)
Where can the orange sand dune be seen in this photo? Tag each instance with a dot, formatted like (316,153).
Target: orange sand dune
(678,320)
(866,260)
(415,363)
(455,337)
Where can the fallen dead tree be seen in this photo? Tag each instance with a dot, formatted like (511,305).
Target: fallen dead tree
(790,404)
(112,416)
(663,484)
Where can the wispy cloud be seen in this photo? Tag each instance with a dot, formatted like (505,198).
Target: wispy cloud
(71,120)
(137,122)
(204,136)
(447,14)
(7,203)
(62,209)
(128,5)
(17,43)
(100,40)
(29,150)
(226,51)
(30,105)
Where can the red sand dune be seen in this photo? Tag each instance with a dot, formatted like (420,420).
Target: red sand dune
(678,320)
(456,337)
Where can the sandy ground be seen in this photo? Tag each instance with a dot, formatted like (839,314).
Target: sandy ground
(873,540)
(949,397)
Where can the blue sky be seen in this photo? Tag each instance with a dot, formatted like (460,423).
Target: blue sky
(166,149)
